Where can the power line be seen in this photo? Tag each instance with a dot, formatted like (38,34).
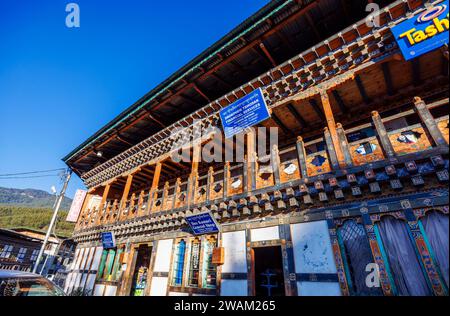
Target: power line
(31,172)
(31,177)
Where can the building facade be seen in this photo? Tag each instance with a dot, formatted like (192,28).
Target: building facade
(19,249)
(351,199)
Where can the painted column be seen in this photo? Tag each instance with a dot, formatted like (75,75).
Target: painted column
(378,255)
(275,160)
(330,149)
(383,135)
(288,260)
(332,128)
(423,251)
(154,187)
(337,254)
(426,117)
(103,203)
(302,157)
(123,201)
(344,145)
(251,156)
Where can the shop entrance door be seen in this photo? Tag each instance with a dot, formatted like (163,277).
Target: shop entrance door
(269,278)
(141,270)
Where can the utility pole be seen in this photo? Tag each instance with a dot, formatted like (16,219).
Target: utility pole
(53,220)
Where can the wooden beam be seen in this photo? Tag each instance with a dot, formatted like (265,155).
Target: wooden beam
(196,88)
(277,121)
(151,116)
(387,78)
(220,79)
(297,115)
(267,54)
(362,89)
(339,101)
(317,109)
(312,25)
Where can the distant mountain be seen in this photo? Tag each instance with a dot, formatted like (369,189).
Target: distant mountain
(31,198)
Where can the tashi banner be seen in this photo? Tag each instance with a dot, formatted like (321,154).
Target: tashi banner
(423,33)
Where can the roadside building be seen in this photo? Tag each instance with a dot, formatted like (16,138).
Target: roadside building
(351,200)
(20,247)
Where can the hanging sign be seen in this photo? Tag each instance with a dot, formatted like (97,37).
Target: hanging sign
(424,32)
(243,113)
(203,223)
(108,240)
(76,206)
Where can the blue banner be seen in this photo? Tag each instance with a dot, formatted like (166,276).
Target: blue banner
(203,223)
(108,240)
(243,113)
(424,32)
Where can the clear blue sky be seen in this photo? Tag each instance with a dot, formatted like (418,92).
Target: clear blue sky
(59,85)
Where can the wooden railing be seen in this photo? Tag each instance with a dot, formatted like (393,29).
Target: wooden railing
(287,165)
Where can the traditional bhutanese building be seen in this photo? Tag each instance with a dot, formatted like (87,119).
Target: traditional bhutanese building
(351,200)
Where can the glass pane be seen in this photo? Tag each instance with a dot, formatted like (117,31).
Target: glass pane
(359,255)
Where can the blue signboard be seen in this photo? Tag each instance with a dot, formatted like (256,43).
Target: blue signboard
(203,223)
(108,240)
(243,113)
(424,32)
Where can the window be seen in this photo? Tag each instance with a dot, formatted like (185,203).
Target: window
(179,263)
(21,254)
(194,266)
(6,251)
(201,272)
(209,270)
(357,253)
(34,255)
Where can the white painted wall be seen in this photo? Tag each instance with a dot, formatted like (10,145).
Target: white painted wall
(163,255)
(233,288)
(267,233)
(110,290)
(319,288)
(178,294)
(312,248)
(235,252)
(159,286)
(313,254)
(98,291)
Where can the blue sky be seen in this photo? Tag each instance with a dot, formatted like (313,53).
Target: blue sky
(59,85)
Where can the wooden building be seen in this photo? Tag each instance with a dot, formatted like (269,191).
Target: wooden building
(352,201)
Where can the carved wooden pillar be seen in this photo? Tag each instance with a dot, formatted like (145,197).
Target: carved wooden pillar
(83,211)
(154,187)
(344,145)
(251,160)
(165,196)
(330,149)
(383,135)
(430,124)
(126,191)
(193,178)
(210,183)
(275,157)
(302,157)
(103,203)
(226,179)
(337,253)
(176,193)
(332,128)
(423,251)
(376,246)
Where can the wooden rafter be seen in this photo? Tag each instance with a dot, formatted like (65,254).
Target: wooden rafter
(387,78)
(297,115)
(362,89)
